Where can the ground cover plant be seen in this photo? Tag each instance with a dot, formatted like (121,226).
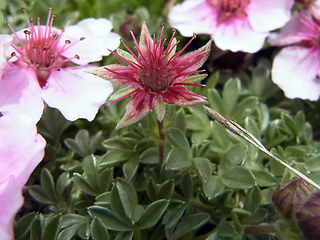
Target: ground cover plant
(133,120)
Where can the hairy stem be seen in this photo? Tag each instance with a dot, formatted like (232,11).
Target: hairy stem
(161,143)
(267,228)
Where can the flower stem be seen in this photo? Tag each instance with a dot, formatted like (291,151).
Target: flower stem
(161,143)
(266,228)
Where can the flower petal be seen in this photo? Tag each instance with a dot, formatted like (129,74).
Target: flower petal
(236,34)
(20,91)
(98,40)
(116,73)
(299,28)
(76,93)
(5,41)
(145,39)
(259,12)
(192,61)
(140,104)
(21,148)
(179,95)
(11,201)
(315,8)
(193,16)
(295,69)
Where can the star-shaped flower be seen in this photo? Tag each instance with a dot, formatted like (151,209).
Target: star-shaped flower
(155,76)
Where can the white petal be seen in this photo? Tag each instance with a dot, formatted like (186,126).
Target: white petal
(315,8)
(76,93)
(21,148)
(294,70)
(20,91)
(268,15)
(11,201)
(236,34)
(5,41)
(193,16)
(299,28)
(98,40)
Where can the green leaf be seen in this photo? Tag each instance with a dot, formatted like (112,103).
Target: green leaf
(177,159)
(264,178)
(71,219)
(98,230)
(253,199)
(212,187)
(204,167)
(215,100)
(38,194)
(202,121)
(82,183)
(124,236)
(186,185)
(62,182)
(178,139)
(221,141)
(130,168)
(230,95)
(91,173)
(117,144)
(114,157)
(152,214)
(227,229)
(165,189)
(244,108)
(52,228)
(105,179)
(150,156)
(128,196)
(171,218)
(189,224)
(117,206)
(72,225)
(22,227)
(238,177)
(151,189)
(47,184)
(104,198)
(36,229)
(234,156)
(81,143)
(52,123)
(108,219)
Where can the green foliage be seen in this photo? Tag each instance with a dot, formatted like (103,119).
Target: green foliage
(98,183)
(108,185)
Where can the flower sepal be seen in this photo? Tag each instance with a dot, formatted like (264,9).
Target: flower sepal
(160,109)
(120,94)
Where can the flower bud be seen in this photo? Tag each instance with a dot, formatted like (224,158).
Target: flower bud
(131,23)
(288,197)
(308,217)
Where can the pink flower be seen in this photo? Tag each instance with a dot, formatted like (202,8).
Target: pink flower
(155,76)
(296,67)
(42,68)
(236,25)
(5,41)
(21,149)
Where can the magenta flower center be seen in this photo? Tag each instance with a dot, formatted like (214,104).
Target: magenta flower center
(40,49)
(229,8)
(155,73)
